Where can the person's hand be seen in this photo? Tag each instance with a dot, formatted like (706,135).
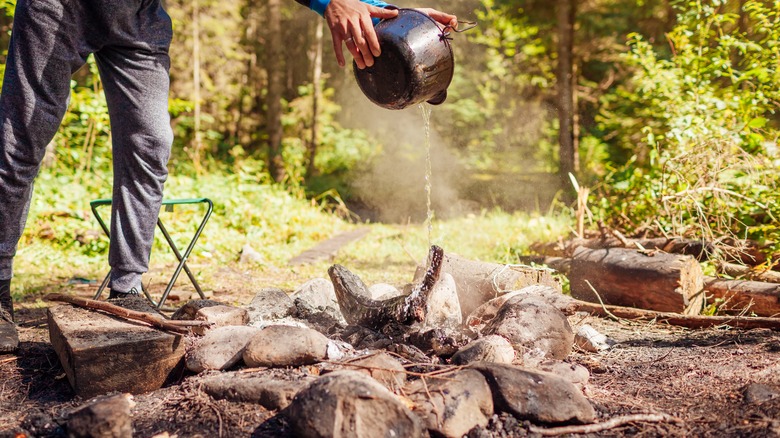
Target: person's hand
(350,22)
(441,17)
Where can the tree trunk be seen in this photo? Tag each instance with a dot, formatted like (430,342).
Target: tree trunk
(738,296)
(317,92)
(627,277)
(564,75)
(274,67)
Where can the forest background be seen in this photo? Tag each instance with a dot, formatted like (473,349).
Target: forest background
(661,113)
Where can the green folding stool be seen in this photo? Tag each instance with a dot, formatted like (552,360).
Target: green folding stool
(168,204)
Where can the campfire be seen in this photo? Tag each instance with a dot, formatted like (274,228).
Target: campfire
(466,340)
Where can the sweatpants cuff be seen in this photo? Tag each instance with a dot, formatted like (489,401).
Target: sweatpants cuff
(123,281)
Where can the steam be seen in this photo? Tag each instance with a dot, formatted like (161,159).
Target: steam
(392,187)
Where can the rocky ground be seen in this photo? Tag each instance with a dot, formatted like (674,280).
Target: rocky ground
(716,382)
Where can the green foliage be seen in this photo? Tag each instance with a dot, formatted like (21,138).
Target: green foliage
(699,127)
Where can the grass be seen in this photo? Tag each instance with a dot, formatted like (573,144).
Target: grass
(63,241)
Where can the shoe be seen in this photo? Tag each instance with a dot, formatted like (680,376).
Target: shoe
(114,294)
(9,336)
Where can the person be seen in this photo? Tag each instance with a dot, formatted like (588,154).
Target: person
(129,39)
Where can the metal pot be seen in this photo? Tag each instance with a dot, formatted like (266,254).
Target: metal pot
(416,63)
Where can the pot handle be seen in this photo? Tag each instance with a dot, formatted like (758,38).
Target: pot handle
(469,25)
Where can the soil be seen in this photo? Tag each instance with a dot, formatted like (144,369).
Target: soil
(698,377)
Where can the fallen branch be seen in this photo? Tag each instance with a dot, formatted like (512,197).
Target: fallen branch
(748,273)
(606,425)
(676,319)
(180,327)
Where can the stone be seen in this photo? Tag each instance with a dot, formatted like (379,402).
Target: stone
(250,256)
(573,372)
(323,319)
(491,348)
(105,417)
(477,320)
(383,291)
(759,393)
(350,404)
(268,305)
(220,316)
(478,282)
(220,348)
(443,309)
(285,346)
(382,367)
(188,311)
(272,392)
(535,328)
(102,353)
(535,395)
(318,293)
(589,339)
(454,404)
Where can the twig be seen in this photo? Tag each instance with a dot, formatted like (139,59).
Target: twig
(7,360)
(606,425)
(603,306)
(180,327)
(431,375)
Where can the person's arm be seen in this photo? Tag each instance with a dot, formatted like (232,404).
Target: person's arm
(350,22)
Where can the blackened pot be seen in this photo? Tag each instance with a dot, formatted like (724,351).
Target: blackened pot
(416,63)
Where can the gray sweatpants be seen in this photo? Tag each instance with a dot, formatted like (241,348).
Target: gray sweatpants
(51,39)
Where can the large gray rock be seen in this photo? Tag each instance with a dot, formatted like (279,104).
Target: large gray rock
(443,308)
(491,348)
(268,305)
(535,328)
(535,395)
(104,417)
(318,293)
(219,349)
(346,404)
(454,404)
(485,313)
(285,346)
(270,391)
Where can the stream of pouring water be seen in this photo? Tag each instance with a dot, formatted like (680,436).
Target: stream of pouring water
(426,113)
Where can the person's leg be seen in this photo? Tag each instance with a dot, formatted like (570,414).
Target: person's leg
(44,52)
(134,70)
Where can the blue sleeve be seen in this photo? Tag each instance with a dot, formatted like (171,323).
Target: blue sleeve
(319,6)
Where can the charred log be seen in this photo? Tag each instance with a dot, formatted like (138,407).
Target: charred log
(359,309)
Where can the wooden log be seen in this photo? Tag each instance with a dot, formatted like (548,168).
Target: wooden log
(742,251)
(625,277)
(478,282)
(102,353)
(748,273)
(699,249)
(738,296)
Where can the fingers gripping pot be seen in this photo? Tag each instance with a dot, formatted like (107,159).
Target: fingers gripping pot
(416,63)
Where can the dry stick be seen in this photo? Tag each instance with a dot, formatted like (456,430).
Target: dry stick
(173,326)
(606,425)
(431,375)
(677,319)
(735,270)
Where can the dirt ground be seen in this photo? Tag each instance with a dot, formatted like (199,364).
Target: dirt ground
(698,377)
